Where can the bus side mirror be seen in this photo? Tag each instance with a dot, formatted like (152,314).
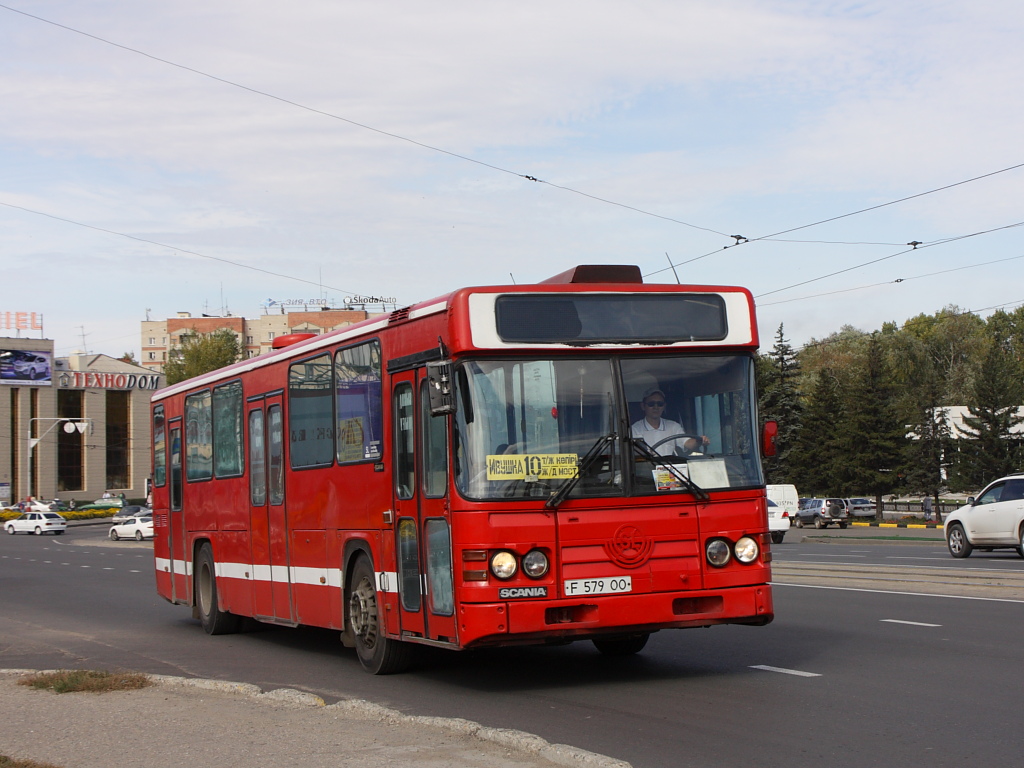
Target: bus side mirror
(439,387)
(768,435)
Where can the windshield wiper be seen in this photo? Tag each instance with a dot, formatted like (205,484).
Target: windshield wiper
(595,452)
(656,458)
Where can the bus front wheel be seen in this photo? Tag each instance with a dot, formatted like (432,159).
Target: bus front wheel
(378,654)
(214,620)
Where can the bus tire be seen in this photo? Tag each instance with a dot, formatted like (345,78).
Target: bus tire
(621,646)
(378,654)
(214,620)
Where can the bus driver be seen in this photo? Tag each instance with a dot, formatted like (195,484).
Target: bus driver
(653,429)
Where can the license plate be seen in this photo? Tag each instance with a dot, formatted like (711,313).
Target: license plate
(606,586)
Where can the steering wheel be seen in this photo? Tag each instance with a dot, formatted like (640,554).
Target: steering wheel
(523,490)
(680,436)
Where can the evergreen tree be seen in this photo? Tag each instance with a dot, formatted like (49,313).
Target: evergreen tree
(872,437)
(780,401)
(814,464)
(989,447)
(201,353)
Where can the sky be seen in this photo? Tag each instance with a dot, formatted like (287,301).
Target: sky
(208,156)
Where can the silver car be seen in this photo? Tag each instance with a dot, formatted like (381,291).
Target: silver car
(821,513)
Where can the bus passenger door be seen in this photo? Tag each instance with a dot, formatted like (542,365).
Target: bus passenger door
(268,515)
(176,517)
(259,516)
(422,519)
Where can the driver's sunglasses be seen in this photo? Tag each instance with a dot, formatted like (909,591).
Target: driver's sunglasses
(655,403)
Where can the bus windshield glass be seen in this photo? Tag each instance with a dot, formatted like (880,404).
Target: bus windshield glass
(609,426)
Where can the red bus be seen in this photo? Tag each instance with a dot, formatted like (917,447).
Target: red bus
(478,470)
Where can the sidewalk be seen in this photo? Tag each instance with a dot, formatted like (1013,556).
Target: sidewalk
(181,721)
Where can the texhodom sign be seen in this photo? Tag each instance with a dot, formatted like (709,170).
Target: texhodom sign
(106,380)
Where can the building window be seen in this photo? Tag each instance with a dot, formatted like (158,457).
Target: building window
(152,355)
(270,334)
(118,439)
(152,341)
(70,445)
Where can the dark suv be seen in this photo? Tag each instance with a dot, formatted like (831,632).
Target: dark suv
(822,513)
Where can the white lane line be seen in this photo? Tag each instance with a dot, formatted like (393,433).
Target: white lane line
(784,671)
(911,623)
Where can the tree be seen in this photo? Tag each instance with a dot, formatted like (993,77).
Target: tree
(128,357)
(872,436)
(780,401)
(992,448)
(201,353)
(814,465)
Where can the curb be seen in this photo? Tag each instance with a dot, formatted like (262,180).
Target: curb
(559,754)
(897,525)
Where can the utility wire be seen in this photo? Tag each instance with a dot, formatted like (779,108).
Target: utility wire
(175,248)
(354,123)
(889,282)
(740,240)
(917,247)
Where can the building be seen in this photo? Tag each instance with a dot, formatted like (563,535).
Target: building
(73,427)
(255,336)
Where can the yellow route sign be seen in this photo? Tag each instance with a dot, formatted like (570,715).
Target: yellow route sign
(532,466)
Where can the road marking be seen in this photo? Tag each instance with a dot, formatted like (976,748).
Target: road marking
(785,671)
(911,623)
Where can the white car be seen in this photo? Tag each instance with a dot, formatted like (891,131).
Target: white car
(778,521)
(37,523)
(994,520)
(137,528)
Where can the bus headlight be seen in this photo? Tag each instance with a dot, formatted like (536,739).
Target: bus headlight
(535,564)
(504,565)
(718,552)
(746,550)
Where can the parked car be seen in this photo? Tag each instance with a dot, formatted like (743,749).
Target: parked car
(139,527)
(821,513)
(994,520)
(37,523)
(778,521)
(101,504)
(127,513)
(860,507)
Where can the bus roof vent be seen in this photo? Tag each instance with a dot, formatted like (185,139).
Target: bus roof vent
(399,315)
(290,338)
(599,273)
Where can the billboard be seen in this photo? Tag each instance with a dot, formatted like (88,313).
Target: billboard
(26,366)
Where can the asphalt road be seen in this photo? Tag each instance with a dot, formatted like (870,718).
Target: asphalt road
(847,675)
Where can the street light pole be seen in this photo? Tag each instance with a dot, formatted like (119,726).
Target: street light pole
(70,425)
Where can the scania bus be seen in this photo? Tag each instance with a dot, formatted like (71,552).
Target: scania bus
(471,471)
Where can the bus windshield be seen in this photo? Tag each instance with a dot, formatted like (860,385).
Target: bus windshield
(611,426)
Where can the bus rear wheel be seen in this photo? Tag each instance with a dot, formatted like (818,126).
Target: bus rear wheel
(214,620)
(378,654)
(622,646)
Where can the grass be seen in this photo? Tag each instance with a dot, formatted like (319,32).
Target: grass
(85,680)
